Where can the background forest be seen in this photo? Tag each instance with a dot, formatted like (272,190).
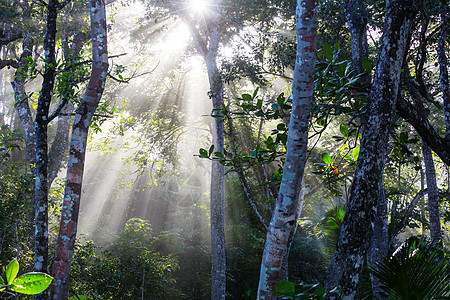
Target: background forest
(181,121)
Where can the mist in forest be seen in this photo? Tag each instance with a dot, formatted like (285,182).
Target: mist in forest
(169,105)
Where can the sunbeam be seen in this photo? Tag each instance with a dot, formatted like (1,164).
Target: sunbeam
(199,7)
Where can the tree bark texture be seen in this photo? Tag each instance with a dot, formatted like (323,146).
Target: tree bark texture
(284,218)
(433,194)
(84,113)
(379,244)
(217,171)
(40,131)
(21,102)
(356,231)
(357,23)
(443,66)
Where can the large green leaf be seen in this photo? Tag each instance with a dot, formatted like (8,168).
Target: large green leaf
(11,271)
(31,283)
(327,158)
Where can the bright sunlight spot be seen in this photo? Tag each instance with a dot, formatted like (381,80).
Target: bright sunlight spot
(199,6)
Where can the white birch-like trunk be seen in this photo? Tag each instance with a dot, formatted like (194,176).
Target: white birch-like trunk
(285,214)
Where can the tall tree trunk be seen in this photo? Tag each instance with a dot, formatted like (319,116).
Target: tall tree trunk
(208,49)
(217,172)
(84,113)
(379,244)
(356,230)
(443,67)
(40,131)
(285,214)
(433,195)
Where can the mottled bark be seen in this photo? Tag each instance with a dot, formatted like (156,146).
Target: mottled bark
(21,102)
(443,66)
(357,228)
(40,131)
(357,23)
(84,113)
(284,218)
(433,194)
(217,172)
(379,244)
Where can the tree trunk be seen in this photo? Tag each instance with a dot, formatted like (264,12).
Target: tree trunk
(356,231)
(433,196)
(40,131)
(443,68)
(379,244)
(84,113)
(22,105)
(217,173)
(285,214)
(208,49)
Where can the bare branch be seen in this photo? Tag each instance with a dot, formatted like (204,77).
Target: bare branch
(9,63)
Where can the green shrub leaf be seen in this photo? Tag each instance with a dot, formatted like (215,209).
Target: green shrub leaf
(11,271)
(31,283)
(326,158)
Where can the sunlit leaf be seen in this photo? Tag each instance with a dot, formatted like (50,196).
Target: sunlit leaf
(11,271)
(326,158)
(355,153)
(1,283)
(31,283)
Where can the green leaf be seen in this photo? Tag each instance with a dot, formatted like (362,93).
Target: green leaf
(259,103)
(320,292)
(285,288)
(11,271)
(31,283)
(367,65)
(1,283)
(270,201)
(211,149)
(355,153)
(203,153)
(326,158)
(247,97)
(403,137)
(219,155)
(255,92)
(328,52)
(343,129)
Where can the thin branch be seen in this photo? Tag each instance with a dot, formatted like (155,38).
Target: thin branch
(9,63)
